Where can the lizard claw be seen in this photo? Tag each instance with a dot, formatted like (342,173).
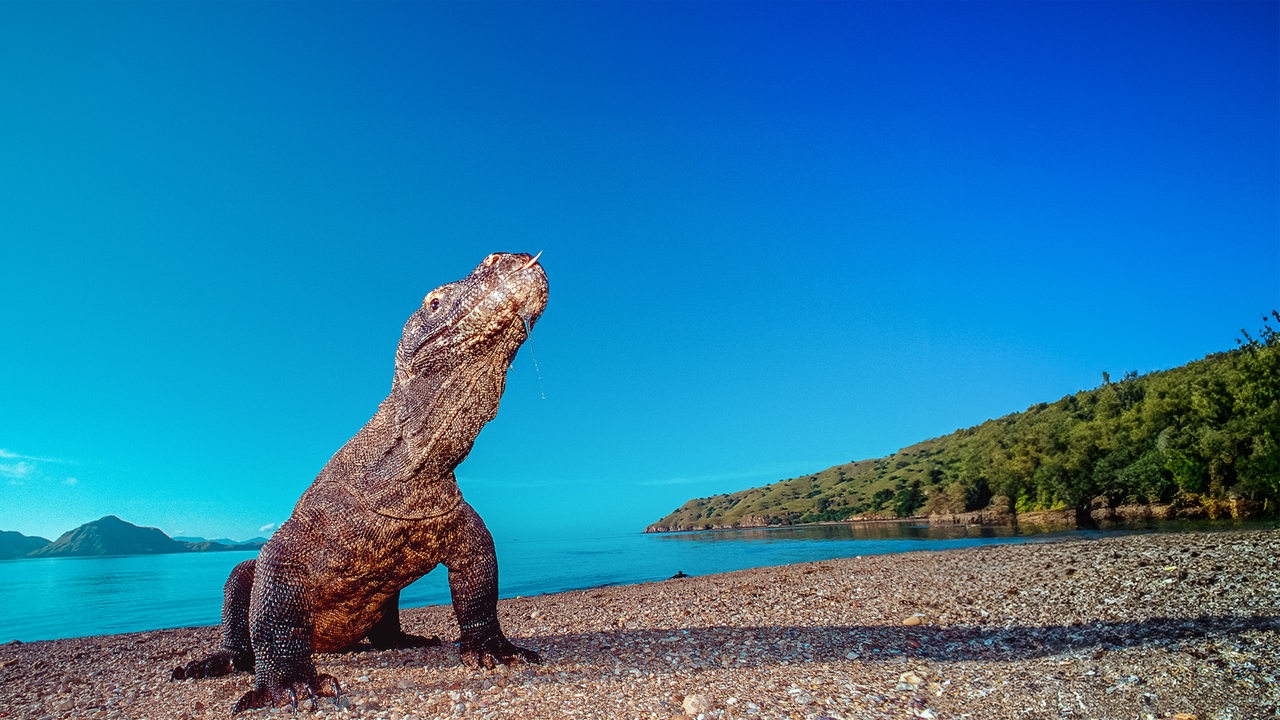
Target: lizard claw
(411,641)
(487,655)
(252,699)
(216,665)
(403,640)
(288,694)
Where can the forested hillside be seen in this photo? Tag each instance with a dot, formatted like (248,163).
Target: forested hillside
(1203,437)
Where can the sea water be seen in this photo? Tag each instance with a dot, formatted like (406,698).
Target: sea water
(49,598)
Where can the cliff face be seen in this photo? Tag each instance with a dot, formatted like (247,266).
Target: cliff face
(16,545)
(111,536)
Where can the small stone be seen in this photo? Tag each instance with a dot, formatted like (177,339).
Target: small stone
(911,679)
(695,704)
(914,620)
(1185,716)
(804,698)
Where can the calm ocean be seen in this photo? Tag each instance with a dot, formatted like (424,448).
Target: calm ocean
(48,598)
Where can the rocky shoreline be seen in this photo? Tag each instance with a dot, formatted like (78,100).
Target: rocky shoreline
(1102,512)
(1139,626)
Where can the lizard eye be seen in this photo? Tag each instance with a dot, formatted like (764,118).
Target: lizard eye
(434,304)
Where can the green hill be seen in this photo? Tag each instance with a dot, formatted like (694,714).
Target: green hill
(15,545)
(1201,439)
(112,536)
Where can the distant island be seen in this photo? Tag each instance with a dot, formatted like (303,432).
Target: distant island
(110,536)
(1198,441)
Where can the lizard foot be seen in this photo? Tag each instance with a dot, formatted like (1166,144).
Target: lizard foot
(289,693)
(496,650)
(215,665)
(403,640)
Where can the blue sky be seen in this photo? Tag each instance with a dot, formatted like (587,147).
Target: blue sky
(779,236)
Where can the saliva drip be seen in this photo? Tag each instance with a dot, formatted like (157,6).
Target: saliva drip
(528,333)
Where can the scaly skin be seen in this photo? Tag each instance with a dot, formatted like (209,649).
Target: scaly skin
(386,509)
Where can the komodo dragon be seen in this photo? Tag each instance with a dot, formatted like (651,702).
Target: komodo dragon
(386,508)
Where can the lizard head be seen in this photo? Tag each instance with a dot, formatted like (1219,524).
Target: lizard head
(480,319)
(453,356)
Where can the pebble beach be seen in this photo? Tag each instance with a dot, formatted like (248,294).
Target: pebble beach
(1181,626)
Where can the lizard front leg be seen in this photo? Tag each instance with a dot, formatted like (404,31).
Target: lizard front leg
(280,628)
(473,583)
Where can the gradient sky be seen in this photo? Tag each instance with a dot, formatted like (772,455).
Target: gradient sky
(779,236)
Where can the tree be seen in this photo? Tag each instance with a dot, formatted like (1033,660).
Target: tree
(881,497)
(908,499)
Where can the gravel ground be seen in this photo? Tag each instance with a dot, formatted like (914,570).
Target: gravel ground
(1142,626)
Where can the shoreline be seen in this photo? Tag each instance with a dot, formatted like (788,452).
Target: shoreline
(1161,625)
(783,526)
(1137,518)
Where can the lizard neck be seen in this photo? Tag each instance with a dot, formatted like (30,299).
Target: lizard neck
(394,475)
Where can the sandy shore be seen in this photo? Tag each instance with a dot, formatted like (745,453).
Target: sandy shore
(1159,626)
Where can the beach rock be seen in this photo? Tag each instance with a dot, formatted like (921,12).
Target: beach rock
(696,703)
